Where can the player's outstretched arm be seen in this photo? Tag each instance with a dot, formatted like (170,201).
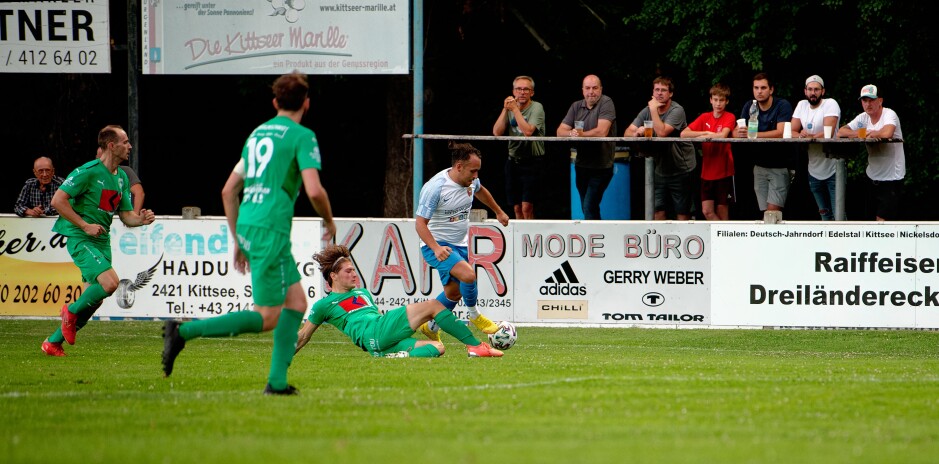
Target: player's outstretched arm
(486,198)
(304,334)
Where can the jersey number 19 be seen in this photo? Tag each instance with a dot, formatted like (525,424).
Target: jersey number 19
(260,152)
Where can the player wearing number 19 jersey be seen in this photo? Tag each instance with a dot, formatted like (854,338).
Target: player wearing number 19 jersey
(273,156)
(277,158)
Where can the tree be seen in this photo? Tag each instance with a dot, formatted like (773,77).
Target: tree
(887,43)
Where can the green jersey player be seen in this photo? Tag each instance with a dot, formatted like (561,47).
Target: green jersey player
(277,158)
(352,310)
(87,202)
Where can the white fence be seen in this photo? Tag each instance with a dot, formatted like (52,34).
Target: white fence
(555,273)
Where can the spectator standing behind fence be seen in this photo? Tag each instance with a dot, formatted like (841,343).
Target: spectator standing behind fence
(809,120)
(886,162)
(674,161)
(593,166)
(35,198)
(717,159)
(771,162)
(524,168)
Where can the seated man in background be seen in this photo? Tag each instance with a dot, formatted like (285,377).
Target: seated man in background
(35,199)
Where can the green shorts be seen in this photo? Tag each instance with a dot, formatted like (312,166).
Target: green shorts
(390,333)
(273,269)
(91,256)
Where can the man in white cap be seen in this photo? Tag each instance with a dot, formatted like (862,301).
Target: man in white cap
(886,162)
(809,119)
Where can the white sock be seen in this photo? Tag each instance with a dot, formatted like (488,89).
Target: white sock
(471,312)
(432,326)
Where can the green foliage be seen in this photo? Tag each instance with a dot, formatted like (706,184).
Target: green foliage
(891,44)
(560,395)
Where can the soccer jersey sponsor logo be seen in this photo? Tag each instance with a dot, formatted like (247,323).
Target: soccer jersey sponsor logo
(353,303)
(109,200)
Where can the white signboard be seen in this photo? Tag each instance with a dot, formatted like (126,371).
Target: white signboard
(172,268)
(54,37)
(861,275)
(561,273)
(387,257)
(275,37)
(183,268)
(617,273)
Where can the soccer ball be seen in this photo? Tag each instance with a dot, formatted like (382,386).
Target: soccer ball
(505,337)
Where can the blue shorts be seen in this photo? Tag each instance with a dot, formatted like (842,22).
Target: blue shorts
(443,267)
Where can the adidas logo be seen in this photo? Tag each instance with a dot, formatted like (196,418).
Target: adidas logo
(563,281)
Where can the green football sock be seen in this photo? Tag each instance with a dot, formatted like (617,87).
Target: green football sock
(449,323)
(90,297)
(426,351)
(285,345)
(83,318)
(228,325)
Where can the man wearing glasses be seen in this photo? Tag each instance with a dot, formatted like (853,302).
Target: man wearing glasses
(35,199)
(522,117)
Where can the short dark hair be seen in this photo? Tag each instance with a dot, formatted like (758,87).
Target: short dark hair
(108,135)
(765,75)
(291,91)
(462,152)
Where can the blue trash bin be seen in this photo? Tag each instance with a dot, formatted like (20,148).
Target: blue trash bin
(615,203)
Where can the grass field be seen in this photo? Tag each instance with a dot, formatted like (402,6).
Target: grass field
(560,395)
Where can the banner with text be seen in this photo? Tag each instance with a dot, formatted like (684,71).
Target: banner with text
(387,257)
(562,273)
(55,37)
(171,268)
(612,273)
(839,275)
(275,37)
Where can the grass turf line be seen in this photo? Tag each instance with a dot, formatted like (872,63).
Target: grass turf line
(559,395)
